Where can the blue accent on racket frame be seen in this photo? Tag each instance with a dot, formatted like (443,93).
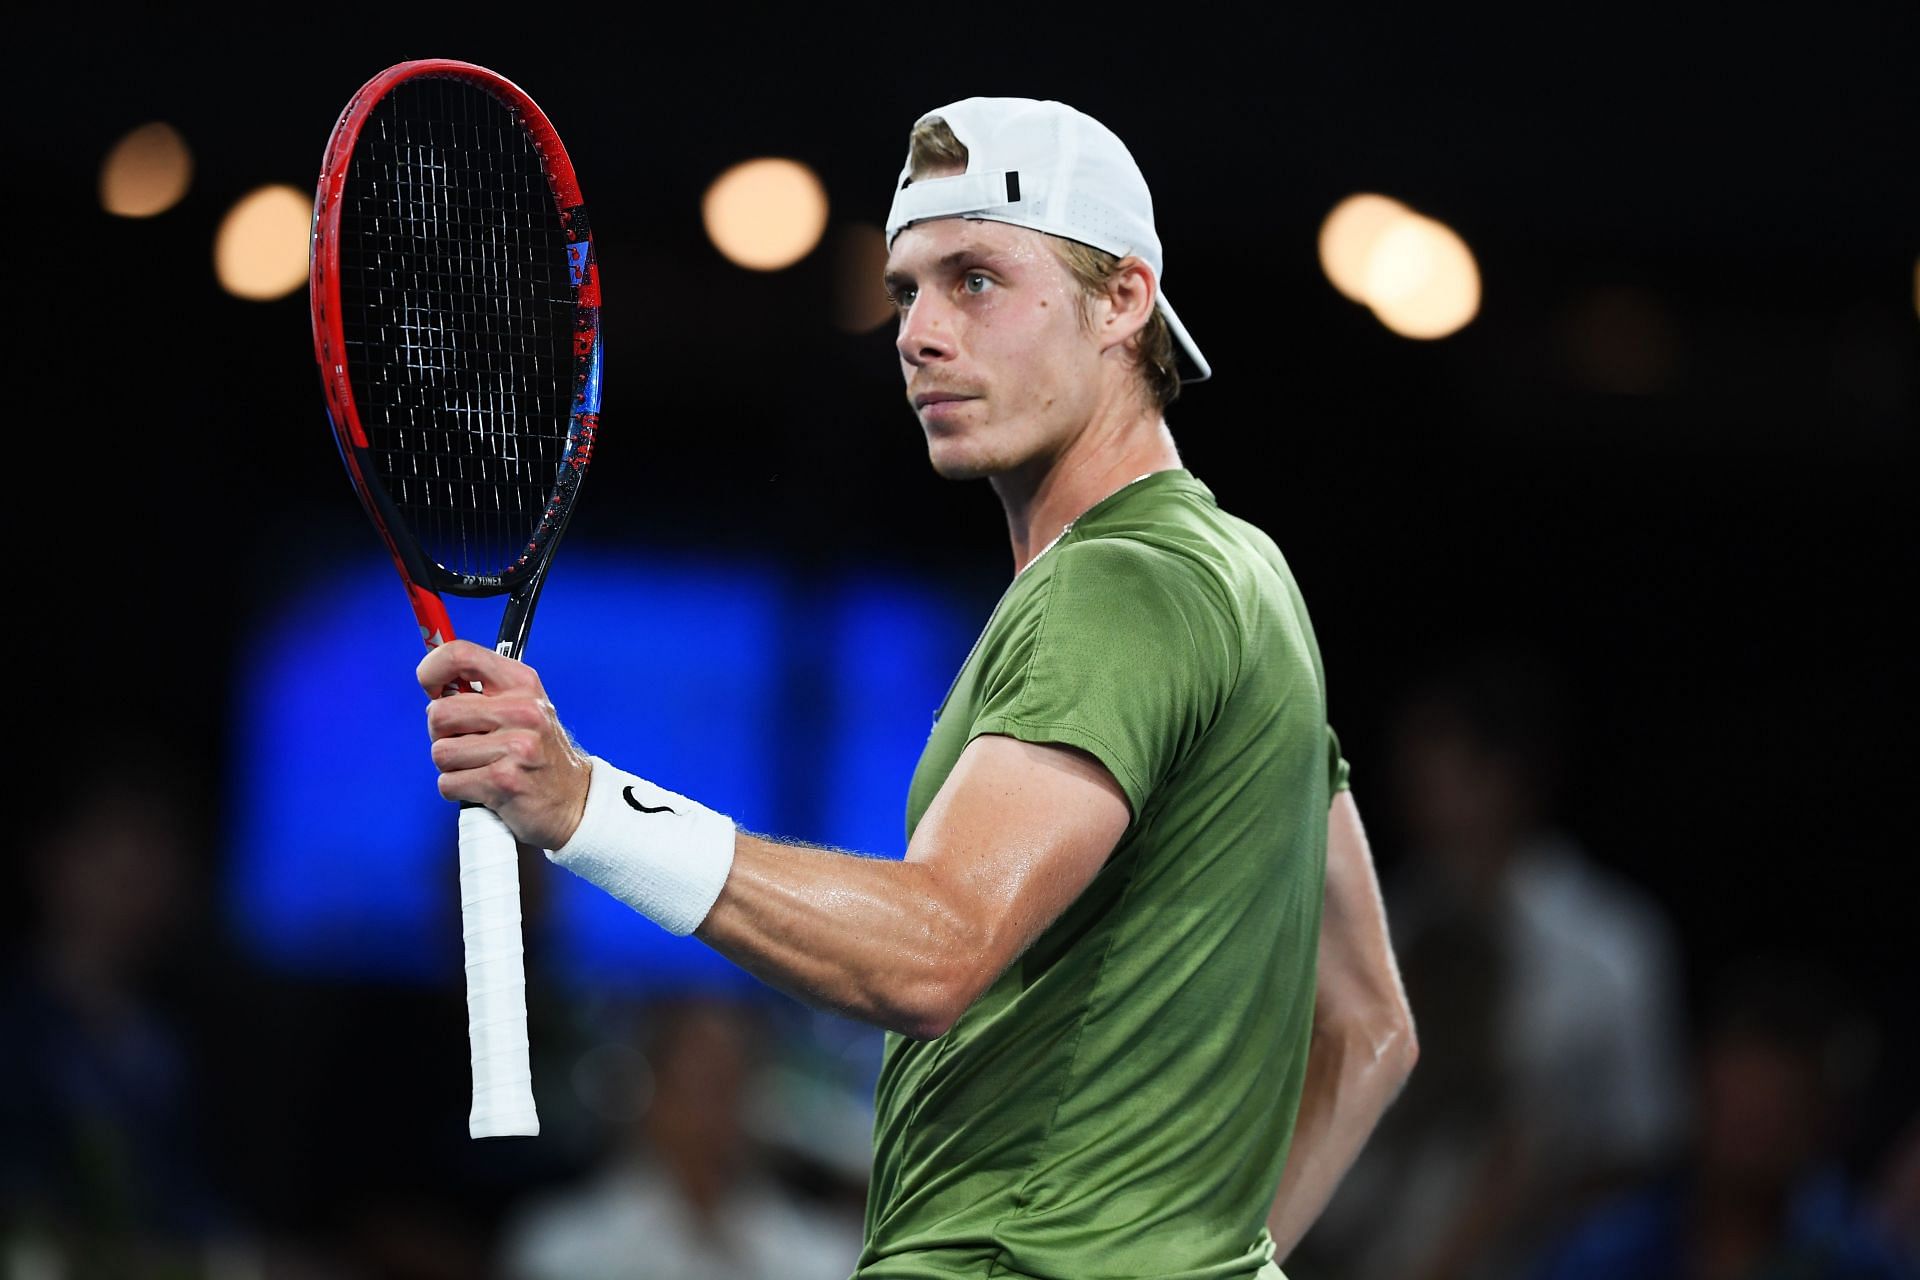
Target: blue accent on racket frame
(577,261)
(592,399)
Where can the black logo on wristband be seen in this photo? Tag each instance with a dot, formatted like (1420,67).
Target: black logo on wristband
(626,793)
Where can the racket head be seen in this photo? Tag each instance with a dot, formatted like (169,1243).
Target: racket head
(455,294)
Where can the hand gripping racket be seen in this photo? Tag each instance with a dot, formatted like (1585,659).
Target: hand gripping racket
(456,319)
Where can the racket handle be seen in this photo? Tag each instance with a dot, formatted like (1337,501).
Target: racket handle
(496,978)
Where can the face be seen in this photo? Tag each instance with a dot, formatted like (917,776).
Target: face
(1001,366)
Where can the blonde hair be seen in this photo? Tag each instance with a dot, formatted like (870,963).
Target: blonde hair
(932,147)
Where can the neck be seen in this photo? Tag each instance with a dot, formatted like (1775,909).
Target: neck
(1047,494)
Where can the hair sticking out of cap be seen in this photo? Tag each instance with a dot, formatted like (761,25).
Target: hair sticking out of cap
(1052,169)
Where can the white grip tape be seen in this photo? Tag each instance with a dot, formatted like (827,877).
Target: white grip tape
(662,854)
(496,979)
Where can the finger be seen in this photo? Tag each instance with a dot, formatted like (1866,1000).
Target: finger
(472,751)
(445,665)
(460,713)
(471,786)
(464,663)
(484,771)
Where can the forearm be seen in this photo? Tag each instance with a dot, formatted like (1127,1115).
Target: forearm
(1015,835)
(1353,1075)
(1363,1045)
(877,940)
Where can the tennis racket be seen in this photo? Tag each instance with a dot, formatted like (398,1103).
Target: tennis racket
(456,318)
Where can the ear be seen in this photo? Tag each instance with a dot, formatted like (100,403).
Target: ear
(1127,305)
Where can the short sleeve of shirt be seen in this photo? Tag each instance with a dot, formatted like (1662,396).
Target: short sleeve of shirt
(1128,654)
(1337,780)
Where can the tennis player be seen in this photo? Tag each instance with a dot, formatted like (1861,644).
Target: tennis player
(1112,1052)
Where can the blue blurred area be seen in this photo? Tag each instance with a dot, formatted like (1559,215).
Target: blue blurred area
(796,705)
(893,656)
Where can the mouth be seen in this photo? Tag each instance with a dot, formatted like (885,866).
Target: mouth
(928,398)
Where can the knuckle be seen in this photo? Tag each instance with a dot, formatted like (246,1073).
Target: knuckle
(536,714)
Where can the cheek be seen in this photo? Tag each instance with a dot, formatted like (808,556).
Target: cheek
(1033,335)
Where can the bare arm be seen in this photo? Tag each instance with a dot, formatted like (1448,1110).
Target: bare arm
(1363,1040)
(1017,831)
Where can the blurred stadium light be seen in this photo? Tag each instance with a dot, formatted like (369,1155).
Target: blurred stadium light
(260,252)
(1416,273)
(765,214)
(1422,280)
(1347,238)
(146,172)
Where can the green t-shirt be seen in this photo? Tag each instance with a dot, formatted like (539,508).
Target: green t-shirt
(1120,1101)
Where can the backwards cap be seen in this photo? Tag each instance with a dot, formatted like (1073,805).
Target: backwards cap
(1044,166)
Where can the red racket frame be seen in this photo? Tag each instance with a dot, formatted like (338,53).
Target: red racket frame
(424,578)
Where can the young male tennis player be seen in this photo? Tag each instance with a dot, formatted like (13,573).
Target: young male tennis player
(1113,1052)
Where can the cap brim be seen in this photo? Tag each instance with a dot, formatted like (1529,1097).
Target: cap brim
(1194,367)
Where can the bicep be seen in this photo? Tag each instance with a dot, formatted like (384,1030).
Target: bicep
(1016,833)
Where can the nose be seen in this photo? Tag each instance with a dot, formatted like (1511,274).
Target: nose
(926,332)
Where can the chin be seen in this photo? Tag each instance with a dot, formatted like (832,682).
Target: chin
(953,460)
(948,467)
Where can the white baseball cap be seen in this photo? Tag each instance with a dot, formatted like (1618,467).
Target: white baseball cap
(1045,166)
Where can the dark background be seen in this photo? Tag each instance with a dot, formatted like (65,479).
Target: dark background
(1673,454)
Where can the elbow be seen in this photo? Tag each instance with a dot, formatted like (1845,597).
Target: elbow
(1398,1044)
(928,995)
(927,1026)
(954,954)
(926,1006)
(1406,1046)
(1391,1040)
(1381,1039)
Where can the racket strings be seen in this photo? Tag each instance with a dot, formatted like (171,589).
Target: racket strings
(458,315)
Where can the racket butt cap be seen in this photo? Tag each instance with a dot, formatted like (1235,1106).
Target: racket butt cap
(512,1120)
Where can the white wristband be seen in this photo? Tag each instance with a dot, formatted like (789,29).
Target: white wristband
(660,853)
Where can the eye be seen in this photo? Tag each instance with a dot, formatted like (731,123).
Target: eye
(974,282)
(901,296)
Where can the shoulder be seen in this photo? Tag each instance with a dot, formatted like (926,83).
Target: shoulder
(1141,572)
(1121,592)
